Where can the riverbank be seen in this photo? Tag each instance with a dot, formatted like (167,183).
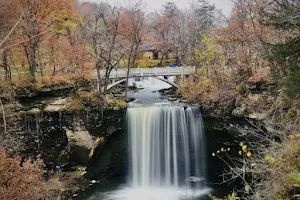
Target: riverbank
(66,185)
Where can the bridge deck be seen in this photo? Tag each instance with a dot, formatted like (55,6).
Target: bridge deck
(148,72)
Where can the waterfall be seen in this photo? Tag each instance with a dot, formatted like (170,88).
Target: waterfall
(166,147)
(166,154)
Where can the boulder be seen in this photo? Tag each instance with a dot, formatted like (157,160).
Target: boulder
(239,112)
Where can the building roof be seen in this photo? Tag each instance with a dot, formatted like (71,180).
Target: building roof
(152,46)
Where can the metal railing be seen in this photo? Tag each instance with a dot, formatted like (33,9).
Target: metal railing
(148,72)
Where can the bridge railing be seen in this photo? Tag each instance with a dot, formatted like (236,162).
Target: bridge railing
(146,72)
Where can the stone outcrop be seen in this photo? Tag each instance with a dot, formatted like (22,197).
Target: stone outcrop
(80,143)
(109,157)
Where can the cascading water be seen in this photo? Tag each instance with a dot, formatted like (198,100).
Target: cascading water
(167,158)
(166,146)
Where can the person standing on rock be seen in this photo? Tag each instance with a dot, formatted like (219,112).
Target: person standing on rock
(46,175)
(57,169)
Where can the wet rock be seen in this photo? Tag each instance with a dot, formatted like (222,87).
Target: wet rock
(56,105)
(172,99)
(258,116)
(239,112)
(98,142)
(109,157)
(183,101)
(130,100)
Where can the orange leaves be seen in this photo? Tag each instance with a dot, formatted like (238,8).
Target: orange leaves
(47,12)
(294,136)
(20,179)
(243,25)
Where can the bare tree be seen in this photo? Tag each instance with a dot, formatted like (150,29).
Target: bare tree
(31,28)
(183,30)
(281,14)
(9,20)
(136,19)
(101,32)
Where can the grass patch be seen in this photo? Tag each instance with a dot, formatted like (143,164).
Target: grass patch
(116,103)
(147,63)
(81,100)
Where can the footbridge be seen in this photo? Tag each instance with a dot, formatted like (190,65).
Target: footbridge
(118,76)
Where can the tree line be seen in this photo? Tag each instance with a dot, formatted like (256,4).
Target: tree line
(73,36)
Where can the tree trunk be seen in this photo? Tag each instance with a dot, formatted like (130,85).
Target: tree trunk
(161,59)
(14,66)
(31,58)
(41,64)
(106,81)
(127,82)
(99,85)
(52,61)
(131,64)
(108,70)
(6,66)
(3,116)
(54,69)
(127,73)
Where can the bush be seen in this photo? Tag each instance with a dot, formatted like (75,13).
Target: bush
(168,62)
(6,91)
(197,91)
(241,89)
(81,99)
(20,180)
(147,63)
(280,171)
(116,104)
(272,173)
(261,75)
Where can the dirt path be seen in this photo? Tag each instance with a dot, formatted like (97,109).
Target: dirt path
(60,183)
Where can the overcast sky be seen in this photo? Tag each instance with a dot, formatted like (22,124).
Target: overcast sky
(224,5)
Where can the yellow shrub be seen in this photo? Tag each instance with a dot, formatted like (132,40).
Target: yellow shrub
(194,91)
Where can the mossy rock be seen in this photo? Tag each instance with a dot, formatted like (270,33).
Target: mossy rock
(34,111)
(292,113)
(239,112)
(116,108)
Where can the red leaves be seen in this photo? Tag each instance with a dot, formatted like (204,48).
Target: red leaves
(260,76)
(20,182)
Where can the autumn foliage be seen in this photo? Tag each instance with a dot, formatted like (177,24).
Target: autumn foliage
(19,179)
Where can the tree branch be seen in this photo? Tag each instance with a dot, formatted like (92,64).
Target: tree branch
(13,28)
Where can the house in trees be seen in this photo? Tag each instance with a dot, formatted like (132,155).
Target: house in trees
(155,51)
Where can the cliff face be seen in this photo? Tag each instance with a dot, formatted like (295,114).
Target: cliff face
(63,138)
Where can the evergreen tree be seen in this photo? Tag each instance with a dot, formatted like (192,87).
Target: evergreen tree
(285,57)
(170,9)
